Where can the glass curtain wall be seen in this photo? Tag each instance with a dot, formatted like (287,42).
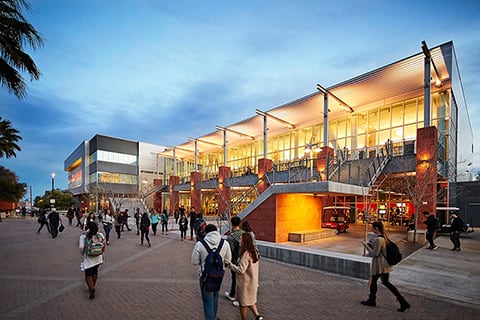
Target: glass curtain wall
(359,135)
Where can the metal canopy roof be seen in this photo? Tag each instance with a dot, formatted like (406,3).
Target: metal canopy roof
(399,79)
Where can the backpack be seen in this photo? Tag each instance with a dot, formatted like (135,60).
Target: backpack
(95,246)
(120,218)
(201,225)
(394,255)
(213,270)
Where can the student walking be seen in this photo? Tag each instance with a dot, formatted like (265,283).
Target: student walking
(234,242)
(107,222)
(380,268)
(118,221)
(457,227)
(43,220)
(137,217)
(431,223)
(213,240)
(247,277)
(90,263)
(164,219)
(54,221)
(145,228)
(154,218)
(183,226)
(125,220)
(193,221)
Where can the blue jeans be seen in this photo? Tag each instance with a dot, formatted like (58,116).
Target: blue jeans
(210,304)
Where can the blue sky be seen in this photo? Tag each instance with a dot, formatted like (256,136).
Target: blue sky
(161,71)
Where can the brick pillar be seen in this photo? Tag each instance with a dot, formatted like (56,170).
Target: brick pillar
(224,173)
(426,170)
(323,157)
(195,200)
(157,196)
(264,166)
(174,199)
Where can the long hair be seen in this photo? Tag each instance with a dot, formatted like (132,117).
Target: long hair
(247,245)
(92,229)
(246,226)
(380,227)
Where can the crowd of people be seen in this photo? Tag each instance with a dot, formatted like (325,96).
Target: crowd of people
(236,252)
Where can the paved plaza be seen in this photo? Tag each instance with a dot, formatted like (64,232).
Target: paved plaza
(41,279)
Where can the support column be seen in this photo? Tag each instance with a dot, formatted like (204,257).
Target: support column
(195,199)
(264,166)
(323,157)
(157,197)
(174,199)
(426,170)
(224,174)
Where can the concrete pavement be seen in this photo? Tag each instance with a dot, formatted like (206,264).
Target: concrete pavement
(41,279)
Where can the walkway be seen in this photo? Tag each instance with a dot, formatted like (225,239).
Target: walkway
(41,279)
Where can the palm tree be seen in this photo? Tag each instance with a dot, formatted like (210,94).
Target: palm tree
(8,139)
(15,34)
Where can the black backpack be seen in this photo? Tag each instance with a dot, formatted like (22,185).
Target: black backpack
(394,255)
(213,270)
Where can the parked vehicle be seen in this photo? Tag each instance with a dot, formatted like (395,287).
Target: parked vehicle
(334,217)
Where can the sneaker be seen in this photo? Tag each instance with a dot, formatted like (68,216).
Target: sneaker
(435,248)
(227,295)
(236,304)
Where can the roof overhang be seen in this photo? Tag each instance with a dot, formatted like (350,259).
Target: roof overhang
(399,80)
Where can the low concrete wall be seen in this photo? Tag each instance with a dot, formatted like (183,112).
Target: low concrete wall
(339,263)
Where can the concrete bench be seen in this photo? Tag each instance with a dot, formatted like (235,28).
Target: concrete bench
(309,235)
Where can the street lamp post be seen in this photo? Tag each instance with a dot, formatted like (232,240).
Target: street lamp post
(53,181)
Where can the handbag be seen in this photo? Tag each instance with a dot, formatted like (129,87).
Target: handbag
(62,227)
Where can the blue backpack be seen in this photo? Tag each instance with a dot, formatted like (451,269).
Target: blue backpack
(213,270)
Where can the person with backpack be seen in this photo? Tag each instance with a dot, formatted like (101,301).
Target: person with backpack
(431,223)
(380,268)
(183,226)
(145,229)
(247,277)
(211,255)
(92,246)
(164,219)
(200,226)
(43,220)
(118,222)
(456,228)
(234,242)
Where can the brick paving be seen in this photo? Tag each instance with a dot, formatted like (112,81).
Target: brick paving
(41,279)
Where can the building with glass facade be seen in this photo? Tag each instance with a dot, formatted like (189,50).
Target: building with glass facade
(104,168)
(386,144)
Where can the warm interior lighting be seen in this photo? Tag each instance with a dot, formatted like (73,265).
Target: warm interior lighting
(309,147)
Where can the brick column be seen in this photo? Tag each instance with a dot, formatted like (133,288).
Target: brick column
(426,170)
(174,200)
(321,163)
(157,196)
(195,199)
(264,166)
(224,173)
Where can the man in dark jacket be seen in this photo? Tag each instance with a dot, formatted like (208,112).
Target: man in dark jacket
(431,223)
(456,228)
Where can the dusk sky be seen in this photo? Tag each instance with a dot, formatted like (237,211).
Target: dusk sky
(161,71)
